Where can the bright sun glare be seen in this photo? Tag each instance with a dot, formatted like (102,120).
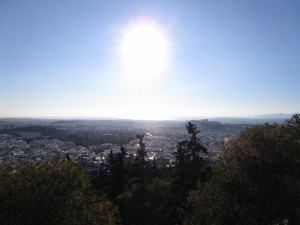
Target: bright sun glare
(144,51)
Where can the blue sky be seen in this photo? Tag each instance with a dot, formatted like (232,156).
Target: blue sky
(61,58)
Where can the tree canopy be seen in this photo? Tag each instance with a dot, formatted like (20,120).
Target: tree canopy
(51,192)
(255,181)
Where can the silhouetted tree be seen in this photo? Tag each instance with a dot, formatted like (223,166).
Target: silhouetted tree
(188,170)
(189,157)
(140,163)
(117,178)
(116,173)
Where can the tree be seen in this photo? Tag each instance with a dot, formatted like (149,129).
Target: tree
(189,160)
(141,153)
(140,192)
(188,171)
(158,194)
(51,192)
(116,175)
(255,181)
(119,171)
(117,178)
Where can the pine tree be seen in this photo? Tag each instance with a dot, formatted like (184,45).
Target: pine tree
(189,159)
(140,163)
(117,173)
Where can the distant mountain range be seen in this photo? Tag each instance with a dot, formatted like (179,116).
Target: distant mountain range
(278,115)
(259,119)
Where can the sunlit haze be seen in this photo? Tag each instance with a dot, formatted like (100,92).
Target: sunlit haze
(149,59)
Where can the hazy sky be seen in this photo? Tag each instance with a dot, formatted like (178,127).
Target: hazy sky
(149,59)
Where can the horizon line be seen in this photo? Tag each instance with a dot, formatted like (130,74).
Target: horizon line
(261,116)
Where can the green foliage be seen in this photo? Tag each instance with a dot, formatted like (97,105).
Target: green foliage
(43,130)
(118,172)
(156,209)
(255,181)
(158,195)
(141,194)
(51,192)
(189,160)
(141,153)
(189,168)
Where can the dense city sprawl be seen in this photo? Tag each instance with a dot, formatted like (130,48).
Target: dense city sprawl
(91,142)
(149,172)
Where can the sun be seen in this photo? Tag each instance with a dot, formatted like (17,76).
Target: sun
(144,50)
(144,55)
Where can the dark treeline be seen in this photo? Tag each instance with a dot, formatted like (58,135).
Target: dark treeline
(255,181)
(146,194)
(79,136)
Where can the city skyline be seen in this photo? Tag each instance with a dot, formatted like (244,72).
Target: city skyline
(149,59)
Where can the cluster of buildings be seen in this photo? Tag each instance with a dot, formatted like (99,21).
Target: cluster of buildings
(160,148)
(14,150)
